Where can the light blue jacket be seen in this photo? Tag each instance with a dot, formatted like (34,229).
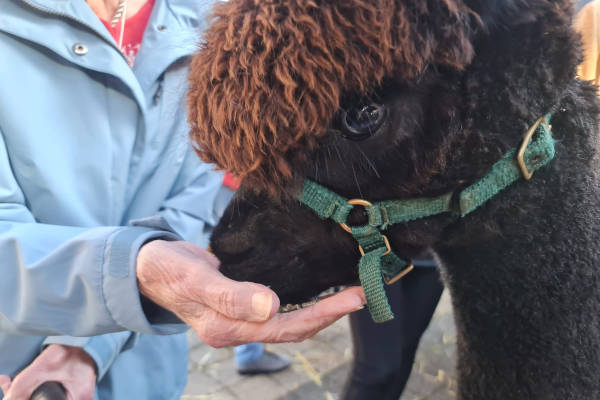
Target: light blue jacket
(94,162)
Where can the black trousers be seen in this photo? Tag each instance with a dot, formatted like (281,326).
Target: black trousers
(384,353)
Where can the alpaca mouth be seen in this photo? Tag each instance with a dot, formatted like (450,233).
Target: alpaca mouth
(322,296)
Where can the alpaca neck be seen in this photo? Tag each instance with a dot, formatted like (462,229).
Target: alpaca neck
(522,274)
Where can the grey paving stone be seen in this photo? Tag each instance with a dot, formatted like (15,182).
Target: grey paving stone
(225,373)
(203,355)
(330,388)
(200,383)
(293,377)
(342,343)
(221,395)
(258,387)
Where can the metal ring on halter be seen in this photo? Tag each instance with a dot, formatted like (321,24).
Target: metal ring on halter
(356,202)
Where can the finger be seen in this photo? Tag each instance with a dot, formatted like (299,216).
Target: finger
(244,301)
(24,384)
(218,331)
(302,324)
(4,383)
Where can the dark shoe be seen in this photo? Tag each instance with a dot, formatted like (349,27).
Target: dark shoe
(268,363)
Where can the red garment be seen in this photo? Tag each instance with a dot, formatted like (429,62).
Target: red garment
(133,32)
(231,181)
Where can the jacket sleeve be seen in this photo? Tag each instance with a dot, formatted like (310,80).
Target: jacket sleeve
(196,202)
(103,349)
(65,280)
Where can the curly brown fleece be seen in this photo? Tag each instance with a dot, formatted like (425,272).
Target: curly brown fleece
(271,73)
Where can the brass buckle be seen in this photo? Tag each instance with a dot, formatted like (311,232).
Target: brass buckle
(388,248)
(399,276)
(526,139)
(356,202)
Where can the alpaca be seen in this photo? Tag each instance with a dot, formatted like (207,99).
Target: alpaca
(396,99)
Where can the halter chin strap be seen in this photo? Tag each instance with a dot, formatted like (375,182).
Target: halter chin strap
(378,262)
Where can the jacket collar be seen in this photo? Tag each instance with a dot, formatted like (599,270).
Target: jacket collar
(187,12)
(180,22)
(187,17)
(173,33)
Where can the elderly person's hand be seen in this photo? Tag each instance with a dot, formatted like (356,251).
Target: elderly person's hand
(70,366)
(185,279)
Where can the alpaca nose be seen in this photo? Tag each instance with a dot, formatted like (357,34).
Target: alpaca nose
(360,123)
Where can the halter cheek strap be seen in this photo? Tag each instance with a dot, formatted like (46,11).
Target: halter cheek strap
(378,262)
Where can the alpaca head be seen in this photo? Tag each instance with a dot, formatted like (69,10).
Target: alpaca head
(372,99)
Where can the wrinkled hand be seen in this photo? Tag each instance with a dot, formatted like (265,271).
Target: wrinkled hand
(185,279)
(71,366)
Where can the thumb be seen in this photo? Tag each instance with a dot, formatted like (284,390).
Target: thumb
(238,300)
(4,383)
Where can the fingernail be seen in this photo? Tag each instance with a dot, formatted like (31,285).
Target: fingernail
(262,304)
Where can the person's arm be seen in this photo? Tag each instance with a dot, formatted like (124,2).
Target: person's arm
(64,280)
(195,203)
(177,276)
(64,357)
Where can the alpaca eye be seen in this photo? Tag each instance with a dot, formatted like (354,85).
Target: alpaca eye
(362,122)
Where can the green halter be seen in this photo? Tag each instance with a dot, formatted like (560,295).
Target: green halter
(378,262)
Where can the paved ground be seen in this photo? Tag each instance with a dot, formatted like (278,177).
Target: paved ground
(319,367)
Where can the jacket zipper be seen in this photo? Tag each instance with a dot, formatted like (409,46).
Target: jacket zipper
(69,17)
